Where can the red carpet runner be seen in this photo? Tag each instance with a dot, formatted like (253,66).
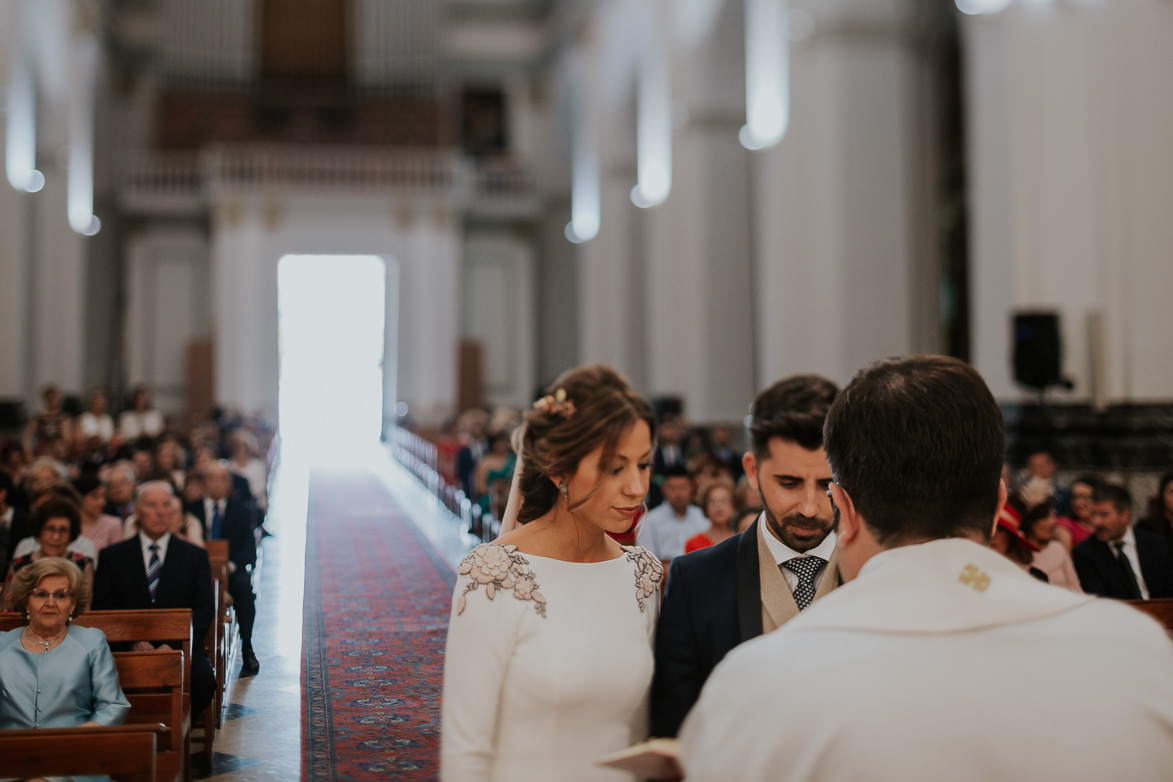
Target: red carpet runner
(377,598)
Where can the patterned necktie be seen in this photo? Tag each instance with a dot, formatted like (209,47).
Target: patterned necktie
(1126,570)
(217,519)
(154,568)
(806,568)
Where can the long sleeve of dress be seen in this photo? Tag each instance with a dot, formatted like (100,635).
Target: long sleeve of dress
(481,636)
(110,706)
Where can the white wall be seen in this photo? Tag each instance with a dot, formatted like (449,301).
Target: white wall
(251,232)
(497,284)
(168,305)
(1071,164)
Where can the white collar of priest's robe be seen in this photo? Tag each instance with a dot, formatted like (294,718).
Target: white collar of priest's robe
(943,586)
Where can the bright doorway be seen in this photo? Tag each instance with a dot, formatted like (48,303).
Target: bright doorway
(331,312)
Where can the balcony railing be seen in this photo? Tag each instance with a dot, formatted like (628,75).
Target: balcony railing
(166,182)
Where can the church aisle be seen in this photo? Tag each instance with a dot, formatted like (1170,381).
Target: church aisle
(355,564)
(377,599)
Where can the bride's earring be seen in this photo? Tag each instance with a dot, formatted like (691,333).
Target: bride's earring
(562,487)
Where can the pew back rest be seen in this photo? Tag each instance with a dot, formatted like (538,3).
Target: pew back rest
(217,553)
(153,684)
(125,752)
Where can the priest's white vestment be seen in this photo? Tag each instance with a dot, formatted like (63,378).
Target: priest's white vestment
(942,661)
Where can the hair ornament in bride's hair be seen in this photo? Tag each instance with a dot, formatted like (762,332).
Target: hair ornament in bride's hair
(556,404)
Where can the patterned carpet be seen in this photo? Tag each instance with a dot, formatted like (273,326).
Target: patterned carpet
(377,599)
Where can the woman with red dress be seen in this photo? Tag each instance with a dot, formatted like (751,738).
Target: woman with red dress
(717,503)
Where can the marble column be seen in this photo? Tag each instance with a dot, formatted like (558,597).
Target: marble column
(842,205)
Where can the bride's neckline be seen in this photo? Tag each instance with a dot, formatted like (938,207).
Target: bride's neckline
(622,555)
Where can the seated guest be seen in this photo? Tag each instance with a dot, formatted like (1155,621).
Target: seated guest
(95,425)
(1119,561)
(141,420)
(49,428)
(169,461)
(746,515)
(42,475)
(8,517)
(1051,558)
(1040,466)
(667,527)
(142,458)
(1009,541)
(184,525)
(75,686)
(99,528)
(225,517)
(79,545)
(717,505)
(57,523)
(120,483)
(1160,518)
(155,569)
(1075,528)
(246,464)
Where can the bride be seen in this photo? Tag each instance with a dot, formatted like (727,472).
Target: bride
(549,655)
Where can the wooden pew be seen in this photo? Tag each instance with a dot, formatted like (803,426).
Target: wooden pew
(224,623)
(126,752)
(153,684)
(1160,609)
(171,626)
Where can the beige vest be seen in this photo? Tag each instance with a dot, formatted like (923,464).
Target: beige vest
(778,606)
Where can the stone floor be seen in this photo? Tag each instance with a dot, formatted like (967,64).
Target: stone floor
(261,735)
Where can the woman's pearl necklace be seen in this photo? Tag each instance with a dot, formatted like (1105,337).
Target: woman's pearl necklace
(28,634)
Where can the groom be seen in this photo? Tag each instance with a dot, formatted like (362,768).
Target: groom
(754,582)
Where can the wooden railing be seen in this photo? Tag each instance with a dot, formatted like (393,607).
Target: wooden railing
(420,458)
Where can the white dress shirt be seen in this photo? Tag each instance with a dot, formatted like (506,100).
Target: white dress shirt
(664,533)
(1130,552)
(783,553)
(146,543)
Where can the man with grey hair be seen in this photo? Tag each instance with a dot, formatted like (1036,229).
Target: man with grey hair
(225,517)
(120,485)
(42,476)
(155,569)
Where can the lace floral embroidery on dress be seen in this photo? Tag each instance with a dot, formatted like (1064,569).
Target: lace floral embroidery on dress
(649,573)
(497,567)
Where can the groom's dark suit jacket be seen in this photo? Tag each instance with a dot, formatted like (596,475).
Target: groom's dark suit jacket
(714,602)
(1100,574)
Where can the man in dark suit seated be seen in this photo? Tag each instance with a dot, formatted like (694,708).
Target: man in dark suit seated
(155,569)
(721,596)
(225,517)
(1120,561)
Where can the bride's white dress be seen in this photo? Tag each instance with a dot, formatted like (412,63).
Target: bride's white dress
(548,665)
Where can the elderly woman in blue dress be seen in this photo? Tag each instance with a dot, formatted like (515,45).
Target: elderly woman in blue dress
(54,674)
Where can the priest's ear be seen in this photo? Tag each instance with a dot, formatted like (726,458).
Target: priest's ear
(847,519)
(1002,495)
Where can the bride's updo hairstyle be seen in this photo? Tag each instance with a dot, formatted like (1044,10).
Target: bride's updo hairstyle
(583,409)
